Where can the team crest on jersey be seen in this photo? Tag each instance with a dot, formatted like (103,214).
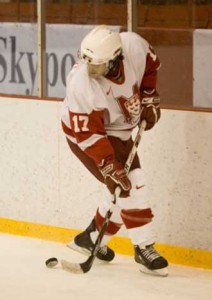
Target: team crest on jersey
(131,107)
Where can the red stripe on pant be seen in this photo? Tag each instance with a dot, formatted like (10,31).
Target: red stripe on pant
(133,218)
(112,227)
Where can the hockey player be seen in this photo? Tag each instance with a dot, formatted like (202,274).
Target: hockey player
(109,92)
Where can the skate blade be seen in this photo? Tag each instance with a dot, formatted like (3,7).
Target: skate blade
(159,272)
(79,249)
(84,251)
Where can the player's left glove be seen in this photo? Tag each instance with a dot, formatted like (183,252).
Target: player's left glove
(150,108)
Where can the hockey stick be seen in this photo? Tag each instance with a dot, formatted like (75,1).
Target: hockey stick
(85,267)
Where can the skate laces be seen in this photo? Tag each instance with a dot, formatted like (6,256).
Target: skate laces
(149,253)
(103,250)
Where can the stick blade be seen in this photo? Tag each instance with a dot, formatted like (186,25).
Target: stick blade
(78,268)
(71,267)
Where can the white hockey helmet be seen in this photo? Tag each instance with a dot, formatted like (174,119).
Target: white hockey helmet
(101,45)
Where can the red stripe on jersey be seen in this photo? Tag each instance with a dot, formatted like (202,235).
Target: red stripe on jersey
(66,129)
(150,75)
(100,150)
(133,218)
(85,125)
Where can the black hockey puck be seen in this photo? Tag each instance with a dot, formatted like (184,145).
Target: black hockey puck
(51,262)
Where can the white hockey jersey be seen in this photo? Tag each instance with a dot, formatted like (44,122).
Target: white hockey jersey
(96,108)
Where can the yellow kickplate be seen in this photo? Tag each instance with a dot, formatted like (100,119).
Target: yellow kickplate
(174,254)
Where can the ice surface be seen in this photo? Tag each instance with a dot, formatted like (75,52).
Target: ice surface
(24,276)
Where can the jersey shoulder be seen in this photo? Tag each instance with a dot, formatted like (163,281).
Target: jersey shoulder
(81,90)
(134,43)
(135,52)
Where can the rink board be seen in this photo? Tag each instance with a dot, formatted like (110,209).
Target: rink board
(41,182)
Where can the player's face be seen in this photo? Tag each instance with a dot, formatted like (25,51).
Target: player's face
(95,71)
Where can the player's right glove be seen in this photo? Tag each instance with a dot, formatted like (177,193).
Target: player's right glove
(150,108)
(114,176)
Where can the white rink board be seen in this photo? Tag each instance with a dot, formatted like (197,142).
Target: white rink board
(42,182)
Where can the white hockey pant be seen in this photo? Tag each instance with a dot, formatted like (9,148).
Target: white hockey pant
(134,212)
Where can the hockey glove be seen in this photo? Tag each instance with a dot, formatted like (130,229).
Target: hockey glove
(150,108)
(114,176)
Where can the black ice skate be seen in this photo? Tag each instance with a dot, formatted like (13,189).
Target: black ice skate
(83,244)
(150,261)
